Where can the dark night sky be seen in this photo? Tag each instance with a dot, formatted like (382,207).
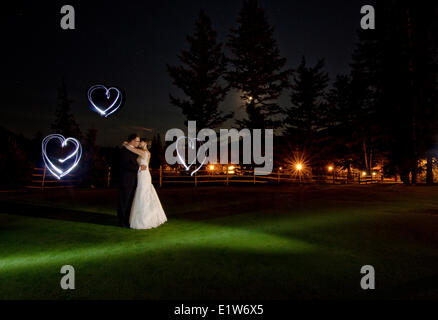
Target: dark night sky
(127,44)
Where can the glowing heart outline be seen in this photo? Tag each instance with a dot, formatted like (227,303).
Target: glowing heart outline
(107,93)
(191,145)
(77,153)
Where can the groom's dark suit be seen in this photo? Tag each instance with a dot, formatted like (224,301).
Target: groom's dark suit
(127,185)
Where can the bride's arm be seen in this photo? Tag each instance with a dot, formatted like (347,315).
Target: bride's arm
(134,150)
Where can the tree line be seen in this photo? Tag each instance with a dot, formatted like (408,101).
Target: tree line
(384,111)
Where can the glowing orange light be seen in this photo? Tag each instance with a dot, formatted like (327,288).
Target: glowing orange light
(364,173)
(211,167)
(330,168)
(299,166)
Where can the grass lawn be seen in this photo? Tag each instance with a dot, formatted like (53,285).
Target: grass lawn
(237,242)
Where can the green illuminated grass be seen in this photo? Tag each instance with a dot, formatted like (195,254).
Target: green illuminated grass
(255,242)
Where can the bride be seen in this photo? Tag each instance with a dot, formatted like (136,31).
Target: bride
(146,210)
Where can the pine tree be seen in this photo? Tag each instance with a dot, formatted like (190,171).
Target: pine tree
(199,77)
(308,113)
(394,73)
(65,122)
(340,144)
(339,99)
(395,88)
(423,66)
(366,93)
(256,67)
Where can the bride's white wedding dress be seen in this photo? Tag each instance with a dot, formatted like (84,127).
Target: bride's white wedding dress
(146,210)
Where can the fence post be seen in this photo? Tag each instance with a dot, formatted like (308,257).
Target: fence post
(254,175)
(161,176)
(196,178)
(108,178)
(44,178)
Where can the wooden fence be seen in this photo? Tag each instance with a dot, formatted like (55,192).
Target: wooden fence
(202,177)
(42,179)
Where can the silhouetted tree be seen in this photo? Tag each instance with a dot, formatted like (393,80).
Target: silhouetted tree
(65,122)
(35,149)
(399,59)
(256,67)
(15,167)
(341,145)
(339,99)
(308,113)
(199,77)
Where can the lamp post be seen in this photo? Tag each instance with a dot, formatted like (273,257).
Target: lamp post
(331,169)
(299,168)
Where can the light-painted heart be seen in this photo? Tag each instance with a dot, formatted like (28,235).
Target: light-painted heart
(75,155)
(111,105)
(192,145)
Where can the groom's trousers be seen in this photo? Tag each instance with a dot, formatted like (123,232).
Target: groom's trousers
(128,184)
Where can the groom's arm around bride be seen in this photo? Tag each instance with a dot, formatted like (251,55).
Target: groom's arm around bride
(127,181)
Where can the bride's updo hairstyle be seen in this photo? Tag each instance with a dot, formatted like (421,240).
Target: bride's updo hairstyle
(147,144)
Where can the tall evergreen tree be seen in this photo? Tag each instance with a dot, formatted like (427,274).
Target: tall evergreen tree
(65,122)
(353,121)
(199,77)
(308,113)
(257,67)
(339,99)
(341,145)
(366,92)
(394,68)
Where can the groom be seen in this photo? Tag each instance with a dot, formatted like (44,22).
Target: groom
(127,180)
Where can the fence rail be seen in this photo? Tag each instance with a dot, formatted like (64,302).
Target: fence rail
(163,177)
(41,179)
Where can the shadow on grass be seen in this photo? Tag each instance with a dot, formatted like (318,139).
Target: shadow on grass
(191,273)
(47,212)
(206,273)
